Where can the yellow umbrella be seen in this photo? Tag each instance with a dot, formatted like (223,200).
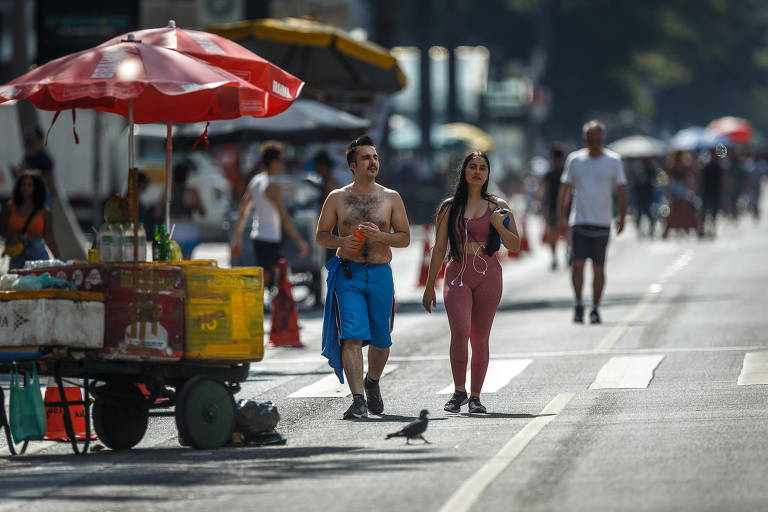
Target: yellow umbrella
(471,135)
(325,57)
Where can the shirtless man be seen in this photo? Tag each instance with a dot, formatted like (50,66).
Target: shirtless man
(360,301)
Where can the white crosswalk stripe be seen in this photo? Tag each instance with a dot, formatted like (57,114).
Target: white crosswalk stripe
(754,369)
(329,387)
(626,372)
(500,373)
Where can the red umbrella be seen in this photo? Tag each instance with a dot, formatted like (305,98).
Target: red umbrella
(281,86)
(142,82)
(737,129)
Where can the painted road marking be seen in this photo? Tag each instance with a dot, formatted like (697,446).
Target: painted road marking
(500,373)
(512,355)
(754,370)
(329,387)
(626,372)
(607,343)
(470,492)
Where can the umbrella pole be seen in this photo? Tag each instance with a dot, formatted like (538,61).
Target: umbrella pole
(168,175)
(133,189)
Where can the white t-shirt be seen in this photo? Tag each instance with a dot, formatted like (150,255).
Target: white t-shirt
(593,181)
(266,219)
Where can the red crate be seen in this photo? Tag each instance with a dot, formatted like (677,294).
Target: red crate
(144,307)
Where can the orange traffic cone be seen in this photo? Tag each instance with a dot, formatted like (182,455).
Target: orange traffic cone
(285,319)
(424,272)
(524,245)
(55,430)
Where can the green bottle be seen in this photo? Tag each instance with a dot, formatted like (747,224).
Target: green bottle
(164,252)
(156,244)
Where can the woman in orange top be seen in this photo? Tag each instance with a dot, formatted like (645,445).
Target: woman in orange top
(28,200)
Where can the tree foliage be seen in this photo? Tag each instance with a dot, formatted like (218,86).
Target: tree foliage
(672,62)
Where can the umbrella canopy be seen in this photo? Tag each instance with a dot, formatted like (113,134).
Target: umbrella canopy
(281,88)
(696,138)
(469,134)
(304,121)
(404,134)
(139,77)
(638,146)
(324,56)
(737,129)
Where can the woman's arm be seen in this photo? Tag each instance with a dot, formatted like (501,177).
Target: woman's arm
(509,236)
(438,255)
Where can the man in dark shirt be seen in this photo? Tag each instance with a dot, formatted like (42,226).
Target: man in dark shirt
(712,178)
(549,187)
(36,158)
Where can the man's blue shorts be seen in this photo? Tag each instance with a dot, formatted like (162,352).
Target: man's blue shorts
(365,303)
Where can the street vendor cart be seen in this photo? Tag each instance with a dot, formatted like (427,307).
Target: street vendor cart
(141,336)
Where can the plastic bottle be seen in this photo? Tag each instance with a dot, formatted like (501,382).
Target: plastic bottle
(117,242)
(126,241)
(507,220)
(142,235)
(105,243)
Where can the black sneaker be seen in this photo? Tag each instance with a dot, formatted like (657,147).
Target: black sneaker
(373,395)
(578,314)
(475,406)
(594,316)
(458,399)
(357,410)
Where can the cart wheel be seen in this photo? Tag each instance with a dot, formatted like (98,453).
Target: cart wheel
(205,413)
(120,416)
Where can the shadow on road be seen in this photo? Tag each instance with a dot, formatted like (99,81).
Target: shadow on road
(147,473)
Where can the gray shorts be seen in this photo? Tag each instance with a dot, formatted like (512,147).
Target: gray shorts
(589,242)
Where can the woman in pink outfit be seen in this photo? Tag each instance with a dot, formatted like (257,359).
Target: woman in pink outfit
(471,223)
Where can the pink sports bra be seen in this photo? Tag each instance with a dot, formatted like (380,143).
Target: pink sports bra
(477,230)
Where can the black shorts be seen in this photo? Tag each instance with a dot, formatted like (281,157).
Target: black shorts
(267,253)
(589,242)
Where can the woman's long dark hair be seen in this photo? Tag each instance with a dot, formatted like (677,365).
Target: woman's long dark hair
(38,190)
(457,205)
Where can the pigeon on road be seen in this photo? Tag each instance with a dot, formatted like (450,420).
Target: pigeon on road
(413,430)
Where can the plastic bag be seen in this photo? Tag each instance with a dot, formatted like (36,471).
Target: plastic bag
(254,417)
(27,412)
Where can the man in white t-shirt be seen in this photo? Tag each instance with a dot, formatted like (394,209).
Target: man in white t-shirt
(589,178)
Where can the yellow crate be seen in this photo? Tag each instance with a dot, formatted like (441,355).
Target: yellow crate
(224,313)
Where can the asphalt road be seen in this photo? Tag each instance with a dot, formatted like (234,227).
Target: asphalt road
(661,407)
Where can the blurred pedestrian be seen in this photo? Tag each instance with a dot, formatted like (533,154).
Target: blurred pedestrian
(643,189)
(711,187)
(549,188)
(471,223)
(37,158)
(589,178)
(323,167)
(185,202)
(756,170)
(682,199)
(271,218)
(26,222)
(359,308)
(146,211)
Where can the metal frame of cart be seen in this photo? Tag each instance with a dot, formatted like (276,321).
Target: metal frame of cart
(203,396)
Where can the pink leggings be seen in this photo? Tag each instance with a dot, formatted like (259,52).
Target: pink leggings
(471,300)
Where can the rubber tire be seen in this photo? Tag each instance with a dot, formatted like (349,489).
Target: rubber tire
(120,424)
(205,413)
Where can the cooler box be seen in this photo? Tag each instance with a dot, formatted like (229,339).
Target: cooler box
(144,307)
(224,313)
(52,318)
